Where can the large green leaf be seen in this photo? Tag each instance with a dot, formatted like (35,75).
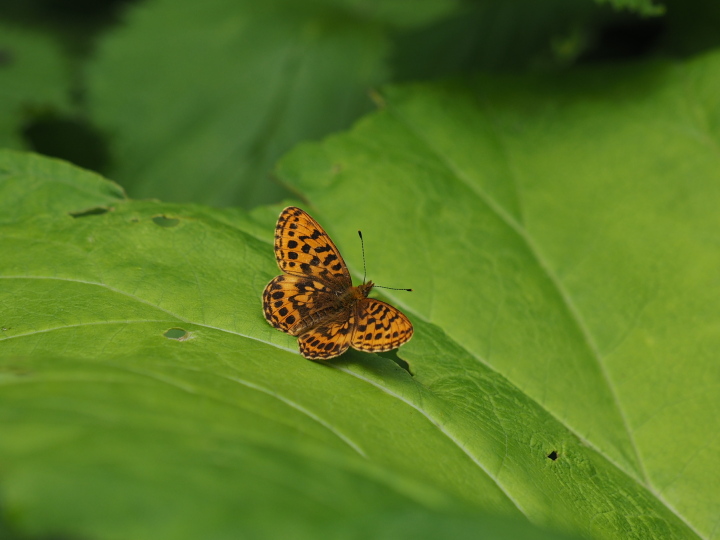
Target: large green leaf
(560,235)
(563,366)
(142,395)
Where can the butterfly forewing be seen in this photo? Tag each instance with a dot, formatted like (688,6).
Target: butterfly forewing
(380,327)
(303,248)
(292,303)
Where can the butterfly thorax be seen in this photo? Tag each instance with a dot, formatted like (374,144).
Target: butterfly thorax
(360,292)
(344,301)
(352,295)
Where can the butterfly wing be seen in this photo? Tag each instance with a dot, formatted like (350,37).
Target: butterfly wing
(295,303)
(330,339)
(380,327)
(303,248)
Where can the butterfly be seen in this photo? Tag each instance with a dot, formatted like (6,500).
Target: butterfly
(315,299)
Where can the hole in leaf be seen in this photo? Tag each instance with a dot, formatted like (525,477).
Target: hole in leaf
(165,221)
(553,455)
(177,333)
(97,211)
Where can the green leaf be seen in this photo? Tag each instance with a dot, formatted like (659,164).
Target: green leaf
(34,80)
(31,187)
(142,394)
(559,233)
(204,116)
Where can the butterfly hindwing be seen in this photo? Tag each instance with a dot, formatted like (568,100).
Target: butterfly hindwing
(303,248)
(328,340)
(380,327)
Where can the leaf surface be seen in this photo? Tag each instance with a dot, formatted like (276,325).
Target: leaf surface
(558,235)
(562,365)
(142,394)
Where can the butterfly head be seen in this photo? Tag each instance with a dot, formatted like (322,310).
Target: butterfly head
(365,288)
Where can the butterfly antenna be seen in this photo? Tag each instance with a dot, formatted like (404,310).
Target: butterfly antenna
(392,288)
(362,246)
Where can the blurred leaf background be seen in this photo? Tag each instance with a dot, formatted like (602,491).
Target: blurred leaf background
(190,102)
(221,103)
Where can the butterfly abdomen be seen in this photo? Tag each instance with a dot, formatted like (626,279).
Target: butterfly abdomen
(316,318)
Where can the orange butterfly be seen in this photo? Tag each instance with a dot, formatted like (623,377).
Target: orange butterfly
(315,299)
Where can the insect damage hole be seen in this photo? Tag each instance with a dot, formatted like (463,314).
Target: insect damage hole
(553,455)
(164,221)
(97,211)
(177,334)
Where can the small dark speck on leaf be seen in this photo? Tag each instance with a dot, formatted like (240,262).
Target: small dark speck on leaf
(553,455)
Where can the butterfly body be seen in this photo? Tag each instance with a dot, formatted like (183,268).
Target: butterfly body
(316,301)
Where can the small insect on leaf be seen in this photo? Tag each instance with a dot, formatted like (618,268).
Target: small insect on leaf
(315,299)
